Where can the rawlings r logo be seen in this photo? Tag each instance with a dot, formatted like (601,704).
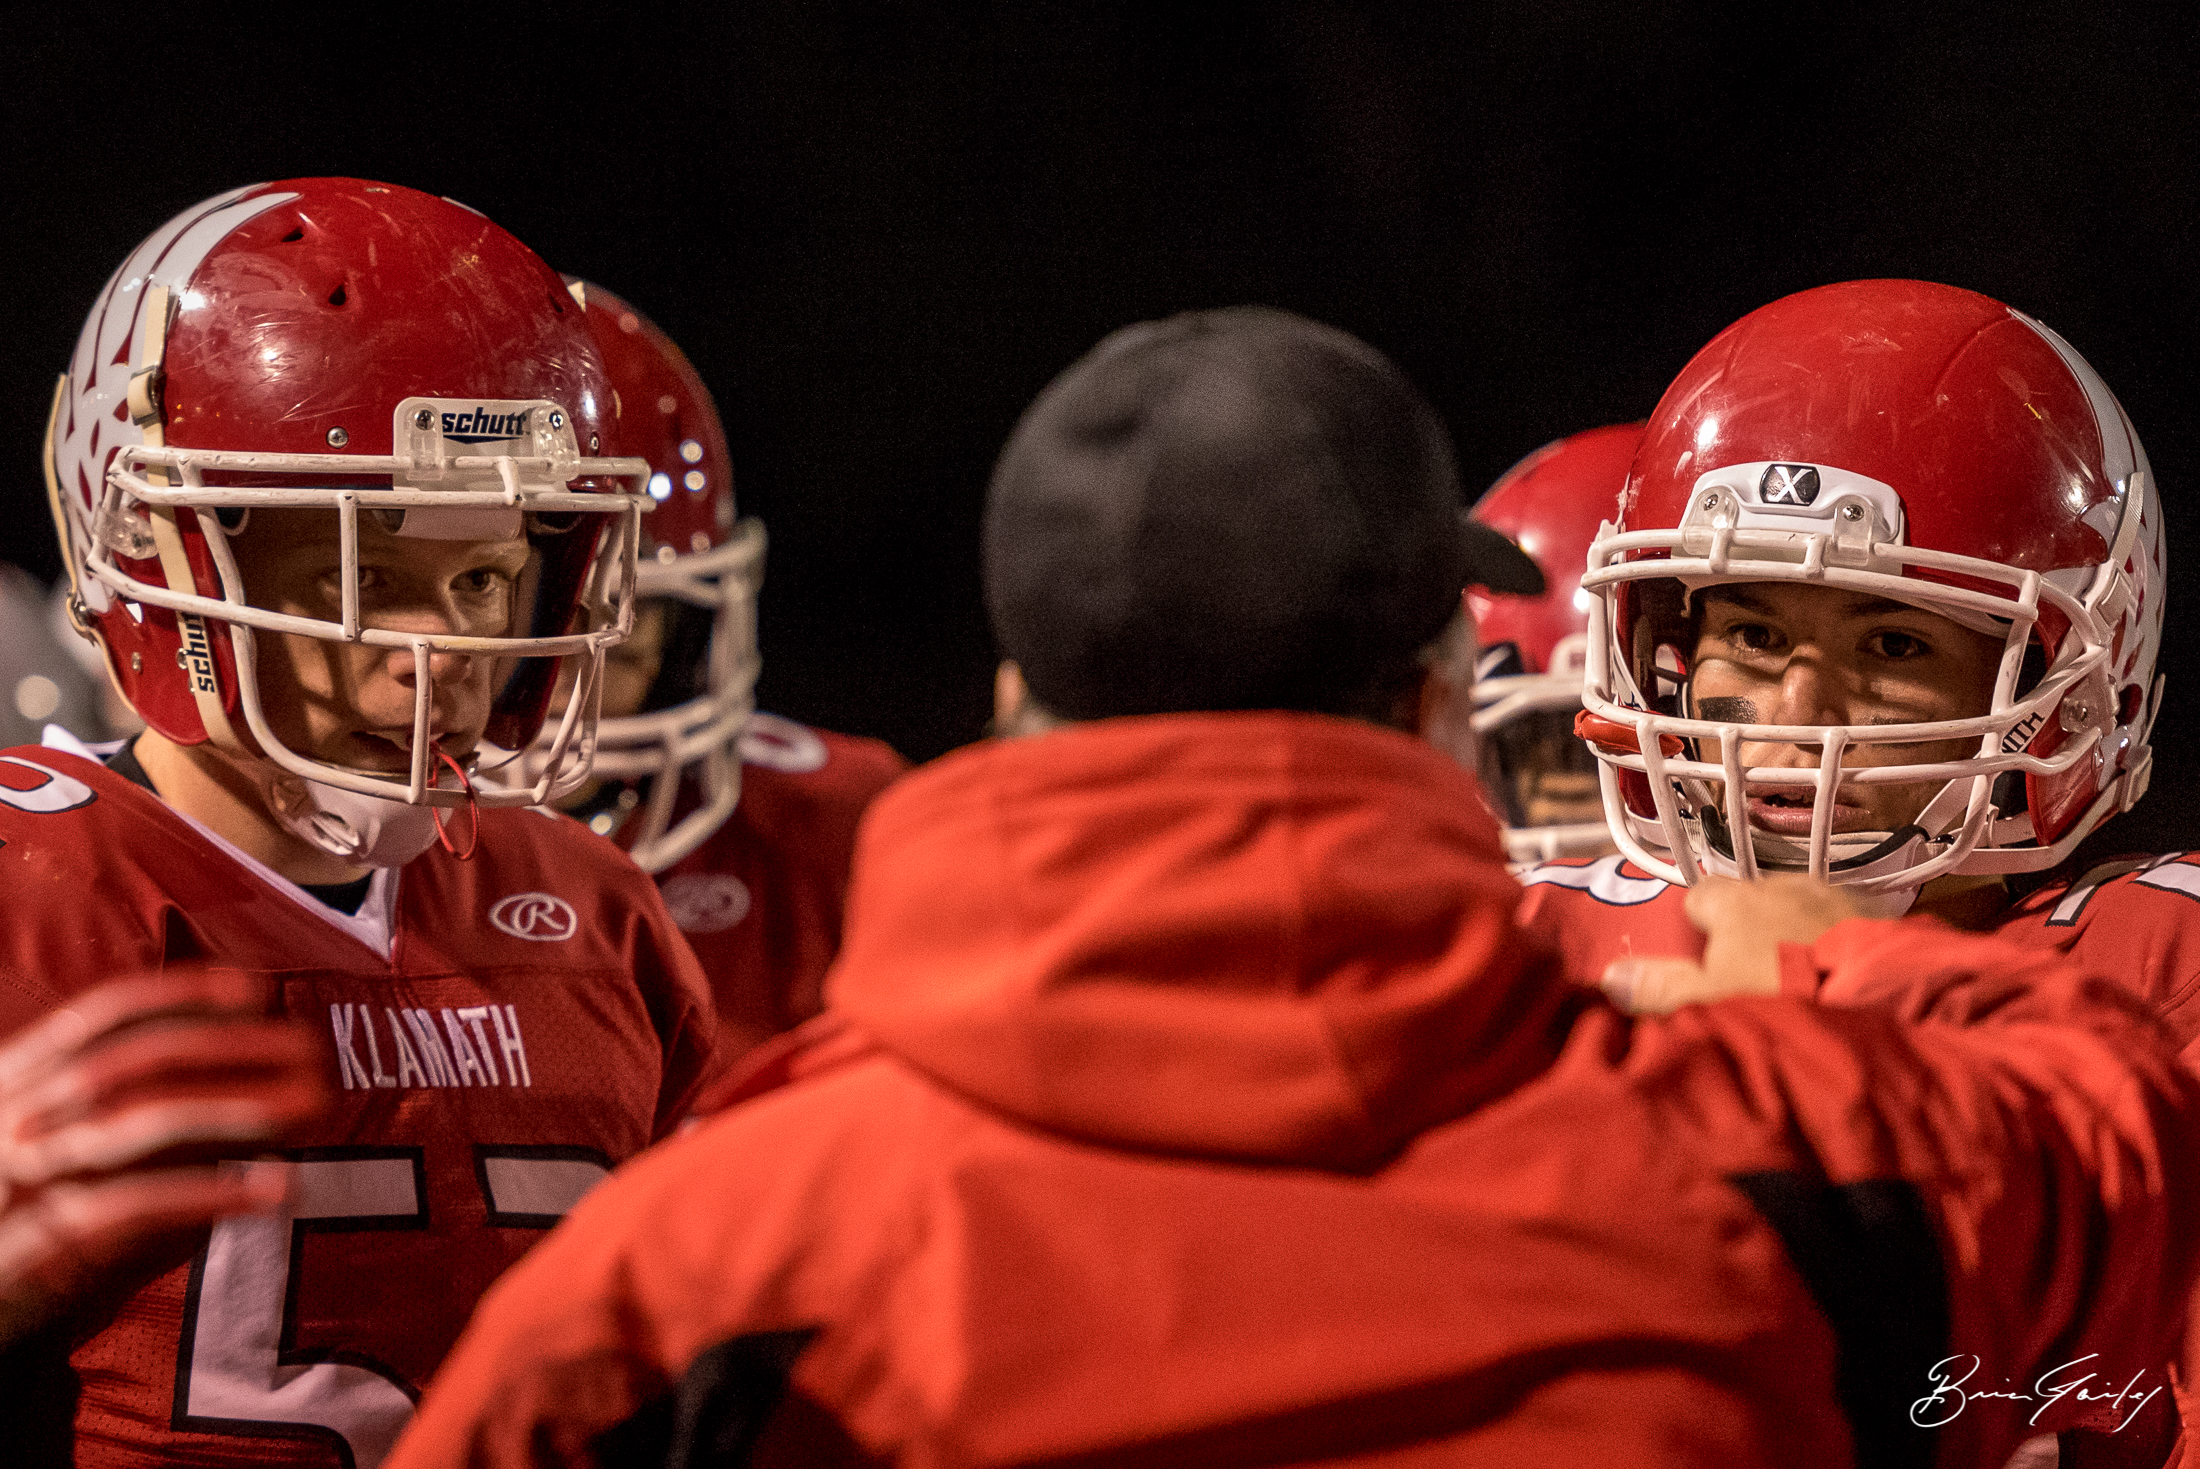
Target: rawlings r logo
(704,902)
(536,916)
(1788,484)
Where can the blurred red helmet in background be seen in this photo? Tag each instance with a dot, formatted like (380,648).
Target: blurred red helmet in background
(707,568)
(1527,684)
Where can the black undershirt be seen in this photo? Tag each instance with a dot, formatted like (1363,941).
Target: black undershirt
(124,762)
(344,897)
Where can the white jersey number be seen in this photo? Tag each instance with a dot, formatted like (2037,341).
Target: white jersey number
(241,1374)
(44,791)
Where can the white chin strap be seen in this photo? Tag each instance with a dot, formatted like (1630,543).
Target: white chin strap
(358,828)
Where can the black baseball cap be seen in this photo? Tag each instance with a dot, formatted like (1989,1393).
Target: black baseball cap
(1229,509)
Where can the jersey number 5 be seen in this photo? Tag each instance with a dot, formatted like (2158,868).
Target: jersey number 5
(239,1372)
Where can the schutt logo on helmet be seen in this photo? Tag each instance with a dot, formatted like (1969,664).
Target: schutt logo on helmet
(481,426)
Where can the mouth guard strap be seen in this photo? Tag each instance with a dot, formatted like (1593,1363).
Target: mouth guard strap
(473,809)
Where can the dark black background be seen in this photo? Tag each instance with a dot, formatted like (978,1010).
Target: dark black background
(879,229)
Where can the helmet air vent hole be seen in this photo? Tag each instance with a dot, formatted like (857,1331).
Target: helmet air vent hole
(297,233)
(336,297)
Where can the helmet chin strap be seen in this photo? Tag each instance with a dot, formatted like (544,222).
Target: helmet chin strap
(358,828)
(1776,854)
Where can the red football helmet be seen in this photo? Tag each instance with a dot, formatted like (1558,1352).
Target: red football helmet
(695,555)
(1527,684)
(357,347)
(1908,441)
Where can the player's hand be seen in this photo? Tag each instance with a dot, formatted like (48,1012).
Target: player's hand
(112,1111)
(1744,924)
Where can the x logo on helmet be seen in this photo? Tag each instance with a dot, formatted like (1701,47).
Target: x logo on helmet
(1788,484)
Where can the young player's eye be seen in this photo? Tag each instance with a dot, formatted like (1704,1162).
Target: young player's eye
(371,579)
(1754,636)
(481,581)
(1899,645)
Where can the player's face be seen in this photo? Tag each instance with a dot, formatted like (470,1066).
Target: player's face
(1546,774)
(1778,653)
(631,667)
(1541,772)
(1562,798)
(350,704)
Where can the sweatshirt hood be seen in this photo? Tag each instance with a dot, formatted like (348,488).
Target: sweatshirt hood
(1266,936)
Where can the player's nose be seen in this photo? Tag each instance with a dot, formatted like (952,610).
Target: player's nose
(1808,693)
(444,665)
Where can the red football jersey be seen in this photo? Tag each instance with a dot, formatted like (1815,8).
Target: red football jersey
(761,900)
(503,1031)
(1595,910)
(2135,920)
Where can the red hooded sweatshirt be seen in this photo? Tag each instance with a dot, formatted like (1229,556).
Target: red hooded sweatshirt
(1187,1096)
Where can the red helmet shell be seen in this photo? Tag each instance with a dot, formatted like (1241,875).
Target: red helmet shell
(1550,505)
(325,311)
(665,415)
(1959,403)
(302,313)
(687,737)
